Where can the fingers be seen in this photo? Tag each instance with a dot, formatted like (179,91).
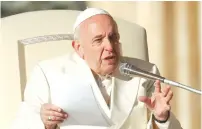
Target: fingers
(52,108)
(52,115)
(169,96)
(166,90)
(162,97)
(55,113)
(54,118)
(147,101)
(144,99)
(157,87)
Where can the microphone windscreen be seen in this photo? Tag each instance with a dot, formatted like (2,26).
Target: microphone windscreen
(124,68)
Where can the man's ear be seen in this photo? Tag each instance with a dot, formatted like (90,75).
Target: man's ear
(78,48)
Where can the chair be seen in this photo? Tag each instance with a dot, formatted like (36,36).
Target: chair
(34,36)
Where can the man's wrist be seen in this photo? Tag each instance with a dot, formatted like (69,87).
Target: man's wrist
(51,127)
(161,121)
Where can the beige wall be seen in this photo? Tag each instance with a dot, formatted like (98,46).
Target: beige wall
(200,31)
(174,45)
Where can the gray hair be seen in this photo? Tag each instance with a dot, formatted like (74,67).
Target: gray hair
(77,33)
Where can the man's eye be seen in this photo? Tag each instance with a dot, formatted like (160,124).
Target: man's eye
(114,38)
(98,40)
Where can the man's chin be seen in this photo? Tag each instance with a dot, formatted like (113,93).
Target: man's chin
(109,70)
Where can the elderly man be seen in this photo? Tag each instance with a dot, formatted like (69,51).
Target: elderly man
(123,101)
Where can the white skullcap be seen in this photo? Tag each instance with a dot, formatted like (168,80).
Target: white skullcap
(89,12)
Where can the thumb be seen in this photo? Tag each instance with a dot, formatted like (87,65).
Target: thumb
(146,100)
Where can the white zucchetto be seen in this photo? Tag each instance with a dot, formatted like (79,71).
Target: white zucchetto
(89,12)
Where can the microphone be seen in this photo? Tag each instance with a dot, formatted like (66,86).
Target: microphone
(132,71)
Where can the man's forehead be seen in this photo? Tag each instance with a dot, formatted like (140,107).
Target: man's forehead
(98,24)
(98,19)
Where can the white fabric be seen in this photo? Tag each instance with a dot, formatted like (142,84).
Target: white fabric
(105,86)
(107,83)
(127,112)
(89,12)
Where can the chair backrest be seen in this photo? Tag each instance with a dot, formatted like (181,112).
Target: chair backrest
(33,36)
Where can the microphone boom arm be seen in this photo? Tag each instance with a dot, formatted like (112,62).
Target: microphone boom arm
(131,70)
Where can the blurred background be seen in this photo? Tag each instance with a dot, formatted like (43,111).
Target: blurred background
(173,35)
(9,8)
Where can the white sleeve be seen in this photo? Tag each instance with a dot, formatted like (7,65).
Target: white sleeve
(172,123)
(36,93)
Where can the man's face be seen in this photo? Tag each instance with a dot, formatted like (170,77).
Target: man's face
(99,39)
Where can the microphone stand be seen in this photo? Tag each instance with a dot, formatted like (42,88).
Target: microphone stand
(131,70)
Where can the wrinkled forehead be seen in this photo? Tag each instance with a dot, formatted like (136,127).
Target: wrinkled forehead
(99,24)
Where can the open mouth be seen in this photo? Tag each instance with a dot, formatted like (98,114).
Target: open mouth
(109,57)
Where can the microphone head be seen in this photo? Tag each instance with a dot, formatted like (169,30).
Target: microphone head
(124,68)
(131,70)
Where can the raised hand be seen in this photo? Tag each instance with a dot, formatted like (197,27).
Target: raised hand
(159,103)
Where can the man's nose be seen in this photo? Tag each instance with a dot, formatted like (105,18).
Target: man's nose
(108,45)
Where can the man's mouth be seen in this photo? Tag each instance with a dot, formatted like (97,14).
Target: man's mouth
(109,57)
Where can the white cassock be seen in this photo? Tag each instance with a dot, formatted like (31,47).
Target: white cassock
(85,102)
